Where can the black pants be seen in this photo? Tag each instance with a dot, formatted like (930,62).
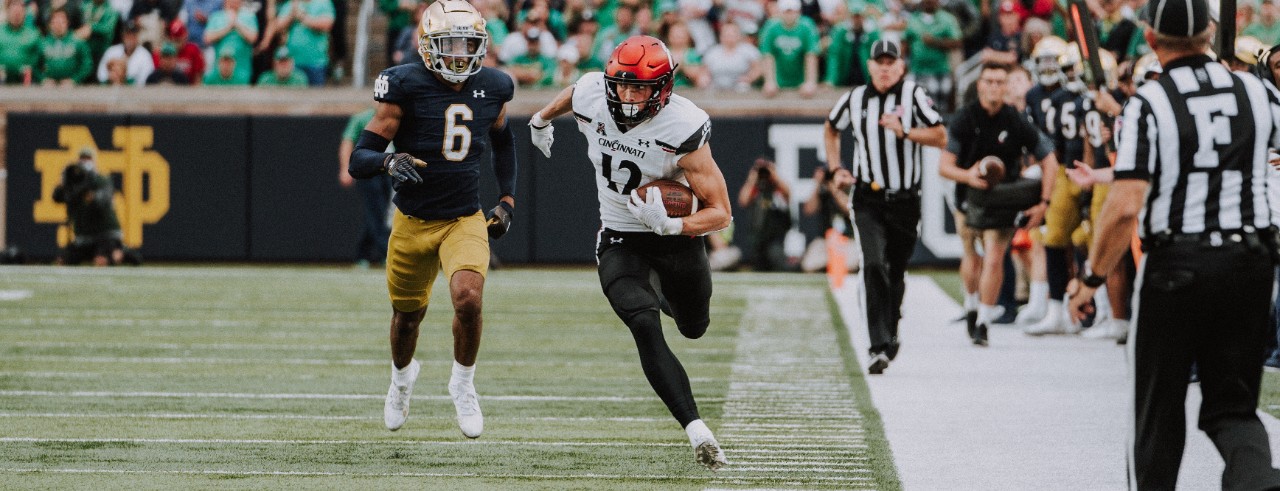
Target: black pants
(887,231)
(1208,306)
(628,262)
(376,194)
(86,248)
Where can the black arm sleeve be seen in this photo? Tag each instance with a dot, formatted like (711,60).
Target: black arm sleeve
(504,159)
(368,159)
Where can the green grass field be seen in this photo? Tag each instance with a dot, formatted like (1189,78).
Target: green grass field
(273,377)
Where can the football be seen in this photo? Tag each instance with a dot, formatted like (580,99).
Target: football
(991,169)
(677,197)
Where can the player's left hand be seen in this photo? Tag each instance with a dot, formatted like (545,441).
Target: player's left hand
(500,220)
(542,134)
(653,214)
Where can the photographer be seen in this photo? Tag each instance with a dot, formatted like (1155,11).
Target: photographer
(90,213)
(830,202)
(768,197)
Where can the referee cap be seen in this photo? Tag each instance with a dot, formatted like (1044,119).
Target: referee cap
(885,47)
(1180,18)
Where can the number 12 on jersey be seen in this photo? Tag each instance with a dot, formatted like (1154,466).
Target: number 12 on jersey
(633,170)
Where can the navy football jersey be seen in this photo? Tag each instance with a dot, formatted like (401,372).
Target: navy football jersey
(1072,126)
(447,129)
(1062,122)
(1094,122)
(1038,107)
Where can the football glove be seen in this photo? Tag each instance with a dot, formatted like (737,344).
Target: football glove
(500,220)
(542,133)
(401,168)
(651,212)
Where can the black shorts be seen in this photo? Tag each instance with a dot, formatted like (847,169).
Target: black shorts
(631,260)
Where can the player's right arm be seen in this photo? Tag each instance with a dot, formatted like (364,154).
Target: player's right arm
(540,130)
(708,185)
(370,158)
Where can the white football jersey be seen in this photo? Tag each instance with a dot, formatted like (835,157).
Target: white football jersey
(648,152)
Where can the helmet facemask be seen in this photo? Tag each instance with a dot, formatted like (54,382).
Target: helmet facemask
(455,56)
(1048,72)
(634,113)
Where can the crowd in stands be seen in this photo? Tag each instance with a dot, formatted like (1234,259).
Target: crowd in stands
(294,43)
(730,45)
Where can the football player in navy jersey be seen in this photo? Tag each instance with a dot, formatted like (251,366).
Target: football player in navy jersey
(638,131)
(443,115)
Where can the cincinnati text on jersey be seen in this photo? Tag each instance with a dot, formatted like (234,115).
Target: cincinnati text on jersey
(618,146)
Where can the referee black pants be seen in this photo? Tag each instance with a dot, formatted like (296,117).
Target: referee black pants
(1208,306)
(887,232)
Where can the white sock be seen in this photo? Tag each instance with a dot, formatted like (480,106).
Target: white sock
(1038,295)
(971,302)
(988,313)
(400,376)
(462,374)
(697,431)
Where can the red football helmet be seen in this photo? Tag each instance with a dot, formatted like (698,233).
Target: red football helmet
(640,60)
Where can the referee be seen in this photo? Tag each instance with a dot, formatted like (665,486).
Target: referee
(891,121)
(1193,154)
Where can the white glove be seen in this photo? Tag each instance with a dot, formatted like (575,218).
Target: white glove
(653,214)
(542,133)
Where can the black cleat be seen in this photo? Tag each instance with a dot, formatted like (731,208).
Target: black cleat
(879,362)
(892,350)
(980,335)
(971,324)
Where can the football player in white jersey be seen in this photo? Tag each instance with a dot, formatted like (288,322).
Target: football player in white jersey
(638,131)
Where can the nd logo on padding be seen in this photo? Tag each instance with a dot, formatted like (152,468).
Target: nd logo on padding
(143,197)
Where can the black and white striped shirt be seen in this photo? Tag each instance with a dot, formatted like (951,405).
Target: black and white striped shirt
(879,156)
(1200,136)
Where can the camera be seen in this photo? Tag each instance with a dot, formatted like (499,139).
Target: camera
(75,181)
(763,172)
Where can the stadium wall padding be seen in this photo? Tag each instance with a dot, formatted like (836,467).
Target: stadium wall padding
(264,188)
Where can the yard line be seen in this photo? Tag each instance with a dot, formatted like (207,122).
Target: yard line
(396,442)
(785,469)
(248,395)
(36,470)
(757,451)
(14,295)
(292,361)
(211,346)
(265,441)
(210,472)
(587,419)
(828,460)
(305,376)
(754,445)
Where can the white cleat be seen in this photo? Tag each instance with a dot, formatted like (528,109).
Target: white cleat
(1030,314)
(1107,329)
(706,450)
(467,405)
(1055,321)
(396,410)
